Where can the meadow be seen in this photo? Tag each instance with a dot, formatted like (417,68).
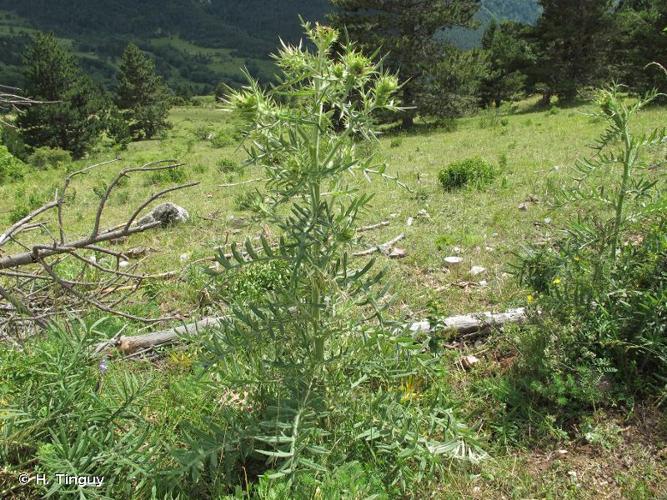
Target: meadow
(613,454)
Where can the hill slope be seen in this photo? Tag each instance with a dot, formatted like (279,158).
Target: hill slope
(197,43)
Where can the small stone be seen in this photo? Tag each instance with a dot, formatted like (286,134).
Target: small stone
(562,452)
(453,261)
(469,361)
(477,270)
(184,257)
(397,253)
(547,221)
(93,259)
(420,326)
(483,283)
(136,252)
(410,221)
(123,264)
(523,207)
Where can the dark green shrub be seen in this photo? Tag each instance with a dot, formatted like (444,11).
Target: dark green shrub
(166,176)
(46,157)
(474,172)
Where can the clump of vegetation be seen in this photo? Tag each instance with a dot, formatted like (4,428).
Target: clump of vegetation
(602,288)
(227,166)
(11,168)
(46,157)
(474,172)
(248,201)
(253,285)
(26,203)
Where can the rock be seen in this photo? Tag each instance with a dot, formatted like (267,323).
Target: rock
(166,214)
(410,221)
(184,257)
(453,261)
(123,264)
(483,283)
(420,326)
(477,270)
(136,252)
(467,362)
(523,207)
(547,221)
(397,253)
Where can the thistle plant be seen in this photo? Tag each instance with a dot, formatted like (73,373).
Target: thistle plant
(304,135)
(603,280)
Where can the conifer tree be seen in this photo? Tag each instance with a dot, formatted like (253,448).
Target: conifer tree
(573,38)
(509,55)
(408,31)
(70,117)
(141,96)
(641,39)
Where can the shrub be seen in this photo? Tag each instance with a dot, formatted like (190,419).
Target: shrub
(227,166)
(26,203)
(220,140)
(166,176)
(471,172)
(602,286)
(11,168)
(46,157)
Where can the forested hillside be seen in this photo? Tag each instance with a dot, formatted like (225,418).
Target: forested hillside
(196,43)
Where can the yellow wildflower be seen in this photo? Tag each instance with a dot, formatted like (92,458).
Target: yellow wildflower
(556,281)
(530,299)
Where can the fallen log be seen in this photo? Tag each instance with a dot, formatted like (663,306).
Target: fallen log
(132,344)
(461,325)
(473,323)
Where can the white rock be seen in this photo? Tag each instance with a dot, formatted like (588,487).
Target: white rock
(523,207)
(123,264)
(410,221)
(397,253)
(547,220)
(469,361)
(420,326)
(453,261)
(185,257)
(483,283)
(477,270)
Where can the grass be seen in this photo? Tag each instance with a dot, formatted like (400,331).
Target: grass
(533,151)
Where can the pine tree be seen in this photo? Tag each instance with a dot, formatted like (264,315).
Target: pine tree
(141,96)
(641,39)
(408,32)
(71,116)
(572,38)
(509,55)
